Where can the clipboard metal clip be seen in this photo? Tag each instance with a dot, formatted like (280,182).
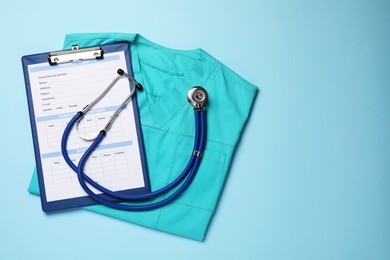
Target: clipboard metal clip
(75,54)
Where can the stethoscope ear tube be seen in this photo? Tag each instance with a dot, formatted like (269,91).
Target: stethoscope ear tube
(121,74)
(185,177)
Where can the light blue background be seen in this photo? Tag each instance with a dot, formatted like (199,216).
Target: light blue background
(311,176)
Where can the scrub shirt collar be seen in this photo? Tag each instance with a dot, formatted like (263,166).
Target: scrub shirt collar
(173,100)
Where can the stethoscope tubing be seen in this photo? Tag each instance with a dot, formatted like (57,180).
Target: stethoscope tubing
(189,171)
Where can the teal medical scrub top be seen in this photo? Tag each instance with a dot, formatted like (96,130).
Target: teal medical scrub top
(168,128)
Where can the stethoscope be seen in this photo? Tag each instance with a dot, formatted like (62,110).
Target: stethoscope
(197,97)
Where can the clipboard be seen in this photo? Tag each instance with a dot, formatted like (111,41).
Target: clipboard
(58,85)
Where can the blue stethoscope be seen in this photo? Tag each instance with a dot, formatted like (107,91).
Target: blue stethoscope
(197,97)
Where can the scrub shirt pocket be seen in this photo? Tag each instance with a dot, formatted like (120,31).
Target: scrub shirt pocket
(189,215)
(204,190)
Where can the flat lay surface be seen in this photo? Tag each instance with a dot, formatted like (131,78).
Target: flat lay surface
(310,176)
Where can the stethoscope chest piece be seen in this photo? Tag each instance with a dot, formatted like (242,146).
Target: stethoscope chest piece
(197,96)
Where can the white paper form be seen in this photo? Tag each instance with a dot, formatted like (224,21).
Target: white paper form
(58,92)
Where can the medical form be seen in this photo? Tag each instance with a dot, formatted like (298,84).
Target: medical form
(60,91)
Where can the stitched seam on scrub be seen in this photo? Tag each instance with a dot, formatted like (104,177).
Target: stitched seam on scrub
(173,116)
(176,133)
(159,217)
(178,73)
(88,40)
(165,196)
(169,177)
(245,87)
(174,72)
(191,206)
(223,176)
(231,74)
